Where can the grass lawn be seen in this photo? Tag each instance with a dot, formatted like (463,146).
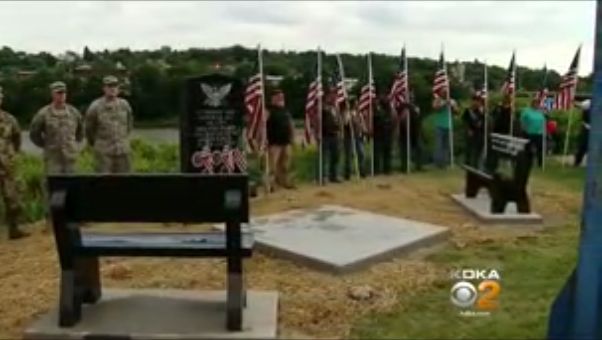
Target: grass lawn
(533,270)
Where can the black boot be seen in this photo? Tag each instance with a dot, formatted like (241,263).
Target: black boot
(14,232)
(13,227)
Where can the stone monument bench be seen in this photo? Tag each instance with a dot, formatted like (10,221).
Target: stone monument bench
(181,198)
(503,188)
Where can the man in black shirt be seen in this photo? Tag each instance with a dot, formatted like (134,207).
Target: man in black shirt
(383,136)
(280,133)
(330,136)
(500,123)
(415,127)
(584,134)
(474,121)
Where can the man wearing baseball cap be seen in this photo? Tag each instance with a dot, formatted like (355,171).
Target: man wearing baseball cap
(10,145)
(58,129)
(109,122)
(280,135)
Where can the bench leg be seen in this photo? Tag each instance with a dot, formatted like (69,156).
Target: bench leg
(472,187)
(235,294)
(235,280)
(522,202)
(498,197)
(89,279)
(69,301)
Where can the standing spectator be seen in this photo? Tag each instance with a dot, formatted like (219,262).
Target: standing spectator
(109,122)
(443,126)
(552,137)
(382,136)
(501,116)
(584,133)
(415,129)
(58,129)
(10,145)
(280,133)
(474,122)
(330,136)
(353,119)
(533,123)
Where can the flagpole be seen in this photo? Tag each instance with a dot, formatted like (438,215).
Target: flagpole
(319,93)
(544,145)
(512,102)
(408,120)
(571,109)
(371,112)
(544,148)
(449,115)
(353,148)
(264,124)
(566,137)
(485,110)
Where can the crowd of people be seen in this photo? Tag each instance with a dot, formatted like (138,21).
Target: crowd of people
(348,132)
(59,129)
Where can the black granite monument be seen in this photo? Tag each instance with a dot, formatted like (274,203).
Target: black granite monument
(212,124)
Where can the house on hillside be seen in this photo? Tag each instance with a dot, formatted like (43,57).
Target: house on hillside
(83,69)
(458,71)
(350,83)
(24,74)
(274,80)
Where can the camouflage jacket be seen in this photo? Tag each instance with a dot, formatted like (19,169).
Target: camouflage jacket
(108,125)
(58,132)
(10,141)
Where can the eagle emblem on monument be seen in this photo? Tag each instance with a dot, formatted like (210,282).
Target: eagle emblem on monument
(214,95)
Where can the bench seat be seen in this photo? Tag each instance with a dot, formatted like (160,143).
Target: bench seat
(160,244)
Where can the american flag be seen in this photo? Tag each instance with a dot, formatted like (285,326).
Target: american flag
(441,81)
(341,95)
(205,160)
(240,160)
(542,93)
(256,134)
(568,85)
(314,93)
(368,91)
(509,86)
(400,88)
(227,159)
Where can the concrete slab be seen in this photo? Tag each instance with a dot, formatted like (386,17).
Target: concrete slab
(162,314)
(339,239)
(480,208)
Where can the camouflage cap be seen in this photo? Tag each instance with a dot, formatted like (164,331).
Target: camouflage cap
(58,86)
(110,80)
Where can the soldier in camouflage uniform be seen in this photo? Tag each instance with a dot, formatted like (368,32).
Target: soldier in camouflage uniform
(109,121)
(10,145)
(58,129)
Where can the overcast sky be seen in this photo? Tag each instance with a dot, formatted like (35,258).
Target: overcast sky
(544,31)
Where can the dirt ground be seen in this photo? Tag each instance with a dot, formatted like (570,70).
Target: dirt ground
(312,304)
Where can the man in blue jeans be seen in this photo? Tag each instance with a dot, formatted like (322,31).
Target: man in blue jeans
(443,126)
(533,123)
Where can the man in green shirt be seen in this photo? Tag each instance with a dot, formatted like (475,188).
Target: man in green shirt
(443,126)
(533,124)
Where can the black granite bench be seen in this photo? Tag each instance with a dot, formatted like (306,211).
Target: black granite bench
(503,188)
(185,198)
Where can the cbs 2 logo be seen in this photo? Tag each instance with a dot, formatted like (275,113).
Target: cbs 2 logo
(464,294)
